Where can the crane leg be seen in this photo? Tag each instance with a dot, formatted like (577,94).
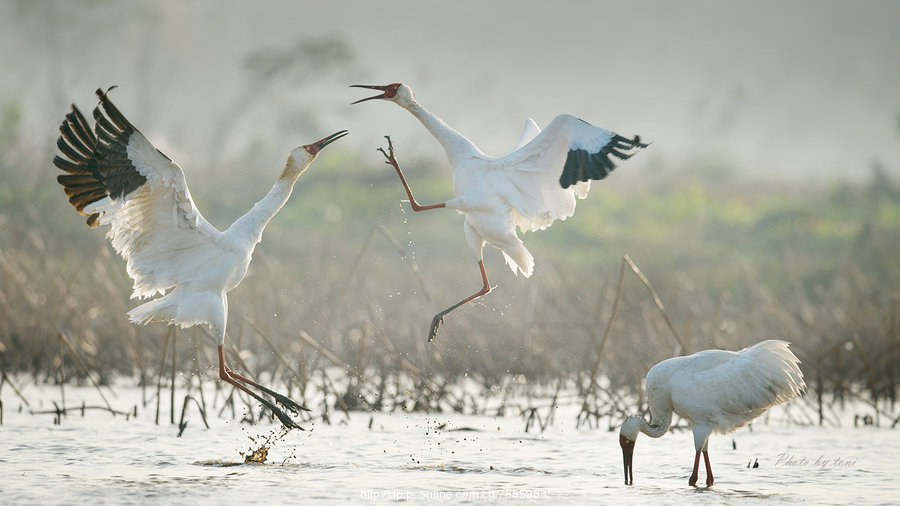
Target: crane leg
(392,161)
(282,399)
(693,479)
(439,318)
(229,376)
(709,475)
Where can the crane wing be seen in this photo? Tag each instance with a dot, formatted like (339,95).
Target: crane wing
(558,164)
(729,389)
(591,153)
(116,177)
(529,132)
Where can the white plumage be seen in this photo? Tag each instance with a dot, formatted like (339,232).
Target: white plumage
(716,391)
(118,178)
(530,188)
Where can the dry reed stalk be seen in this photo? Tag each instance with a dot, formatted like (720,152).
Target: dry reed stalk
(325,379)
(64,410)
(323,351)
(404,254)
(659,304)
(162,365)
(415,371)
(62,374)
(83,367)
(595,368)
(325,413)
(196,371)
(228,401)
(172,378)
(138,355)
(870,379)
(281,359)
(6,380)
(182,423)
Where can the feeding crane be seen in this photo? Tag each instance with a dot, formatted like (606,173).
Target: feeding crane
(716,391)
(529,188)
(116,177)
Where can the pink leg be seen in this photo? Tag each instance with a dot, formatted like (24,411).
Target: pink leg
(486,288)
(393,162)
(439,318)
(693,479)
(228,376)
(709,475)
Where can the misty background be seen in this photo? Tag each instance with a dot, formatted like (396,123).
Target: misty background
(803,89)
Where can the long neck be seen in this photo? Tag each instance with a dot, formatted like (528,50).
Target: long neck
(659,427)
(251,225)
(455,144)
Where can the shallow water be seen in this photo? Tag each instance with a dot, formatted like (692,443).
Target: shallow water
(102,459)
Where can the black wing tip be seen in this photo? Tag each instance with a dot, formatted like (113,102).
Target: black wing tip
(103,94)
(623,142)
(582,165)
(112,112)
(96,162)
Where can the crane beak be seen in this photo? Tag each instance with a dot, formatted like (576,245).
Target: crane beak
(317,146)
(385,92)
(627,458)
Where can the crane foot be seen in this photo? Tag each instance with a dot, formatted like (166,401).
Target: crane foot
(435,325)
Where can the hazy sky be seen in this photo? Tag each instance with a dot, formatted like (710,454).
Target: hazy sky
(786,89)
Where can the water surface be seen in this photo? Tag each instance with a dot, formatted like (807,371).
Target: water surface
(102,459)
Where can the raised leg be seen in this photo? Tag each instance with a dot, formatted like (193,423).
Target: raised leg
(393,162)
(709,475)
(439,318)
(227,375)
(693,479)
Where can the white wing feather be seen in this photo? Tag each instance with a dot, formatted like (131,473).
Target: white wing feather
(726,390)
(157,228)
(529,132)
(533,171)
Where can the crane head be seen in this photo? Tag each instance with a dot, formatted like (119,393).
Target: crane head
(627,458)
(627,437)
(396,92)
(302,156)
(314,148)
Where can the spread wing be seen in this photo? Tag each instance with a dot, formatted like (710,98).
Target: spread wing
(116,177)
(556,165)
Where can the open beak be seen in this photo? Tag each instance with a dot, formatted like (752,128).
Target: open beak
(627,459)
(383,89)
(317,146)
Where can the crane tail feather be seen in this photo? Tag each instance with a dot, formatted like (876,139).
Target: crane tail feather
(156,310)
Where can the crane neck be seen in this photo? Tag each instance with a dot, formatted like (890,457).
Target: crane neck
(456,146)
(657,428)
(250,226)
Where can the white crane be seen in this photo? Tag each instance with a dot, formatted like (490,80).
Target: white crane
(529,188)
(716,391)
(118,178)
